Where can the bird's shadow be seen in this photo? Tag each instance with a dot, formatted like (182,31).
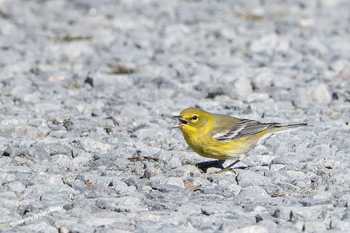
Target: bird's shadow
(203,166)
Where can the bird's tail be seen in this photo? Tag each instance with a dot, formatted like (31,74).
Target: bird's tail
(280,127)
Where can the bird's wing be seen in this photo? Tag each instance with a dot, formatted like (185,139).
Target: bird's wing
(243,128)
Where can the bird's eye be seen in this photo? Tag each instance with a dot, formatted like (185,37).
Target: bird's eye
(194,117)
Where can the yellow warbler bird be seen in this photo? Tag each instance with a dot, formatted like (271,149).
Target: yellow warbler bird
(224,137)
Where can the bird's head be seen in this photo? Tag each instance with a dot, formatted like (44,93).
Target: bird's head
(193,119)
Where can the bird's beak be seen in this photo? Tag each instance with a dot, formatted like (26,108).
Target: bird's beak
(182,122)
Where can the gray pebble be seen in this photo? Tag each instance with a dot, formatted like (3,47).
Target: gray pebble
(339,225)
(248,178)
(16,186)
(121,187)
(38,226)
(184,171)
(54,196)
(314,227)
(252,193)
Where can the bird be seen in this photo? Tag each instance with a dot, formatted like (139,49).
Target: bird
(224,137)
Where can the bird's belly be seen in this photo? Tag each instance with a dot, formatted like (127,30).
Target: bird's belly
(228,150)
(219,150)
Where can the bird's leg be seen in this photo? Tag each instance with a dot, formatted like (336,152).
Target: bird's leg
(221,161)
(228,167)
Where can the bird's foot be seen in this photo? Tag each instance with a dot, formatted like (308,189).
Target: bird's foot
(227,169)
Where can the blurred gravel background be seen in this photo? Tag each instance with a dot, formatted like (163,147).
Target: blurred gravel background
(66,67)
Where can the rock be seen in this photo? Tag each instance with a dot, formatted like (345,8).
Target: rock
(35,207)
(151,171)
(263,80)
(174,181)
(314,226)
(184,171)
(121,187)
(38,226)
(71,226)
(252,193)
(283,213)
(16,186)
(164,206)
(314,202)
(263,217)
(318,95)
(339,225)
(278,176)
(78,185)
(310,214)
(122,201)
(199,181)
(8,151)
(240,89)
(90,145)
(82,159)
(251,229)
(248,178)
(54,196)
(216,209)
(321,195)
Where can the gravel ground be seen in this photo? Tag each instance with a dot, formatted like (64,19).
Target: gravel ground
(88,87)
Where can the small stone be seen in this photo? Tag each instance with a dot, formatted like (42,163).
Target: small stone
(174,162)
(38,226)
(121,187)
(251,229)
(263,81)
(16,186)
(296,174)
(147,188)
(93,146)
(277,167)
(54,196)
(151,171)
(184,171)
(123,201)
(248,178)
(174,181)
(321,195)
(8,151)
(82,159)
(340,225)
(241,88)
(199,181)
(78,185)
(277,176)
(155,195)
(319,95)
(5,161)
(314,227)
(215,209)
(298,214)
(283,213)
(234,188)
(314,202)
(263,217)
(252,193)
(164,206)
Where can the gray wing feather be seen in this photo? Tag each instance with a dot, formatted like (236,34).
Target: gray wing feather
(244,128)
